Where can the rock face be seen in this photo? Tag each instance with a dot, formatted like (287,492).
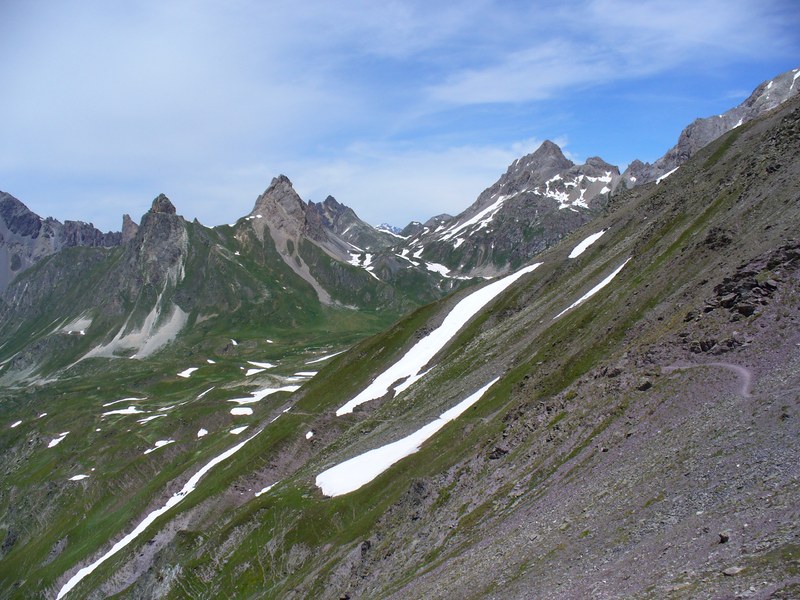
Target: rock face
(26,238)
(129,228)
(162,204)
(702,132)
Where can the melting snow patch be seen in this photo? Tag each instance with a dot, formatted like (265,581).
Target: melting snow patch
(424,350)
(147,419)
(594,290)
(58,440)
(131,410)
(261,365)
(665,175)
(16,424)
(260,394)
(202,433)
(265,490)
(580,248)
(211,362)
(204,393)
(309,435)
(187,372)
(437,268)
(123,400)
(78,477)
(238,430)
(159,444)
(241,411)
(322,358)
(352,474)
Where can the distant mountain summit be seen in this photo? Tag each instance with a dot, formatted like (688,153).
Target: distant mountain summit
(539,199)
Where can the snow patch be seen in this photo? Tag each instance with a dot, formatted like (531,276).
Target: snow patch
(159,444)
(356,472)
(665,175)
(260,365)
(594,290)
(238,430)
(55,442)
(424,350)
(187,372)
(15,424)
(77,477)
(202,432)
(131,410)
(581,248)
(309,435)
(241,411)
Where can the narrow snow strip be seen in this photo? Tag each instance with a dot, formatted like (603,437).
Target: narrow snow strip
(581,248)
(260,365)
(253,372)
(350,475)
(241,410)
(147,419)
(204,393)
(238,430)
(266,489)
(131,410)
(306,373)
(16,424)
(58,440)
(186,373)
(594,290)
(323,358)
(202,433)
(159,444)
(123,400)
(77,477)
(665,175)
(188,488)
(261,394)
(424,350)
(211,362)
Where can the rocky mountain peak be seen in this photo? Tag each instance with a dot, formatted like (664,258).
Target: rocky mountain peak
(162,204)
(129,228)
(280,196)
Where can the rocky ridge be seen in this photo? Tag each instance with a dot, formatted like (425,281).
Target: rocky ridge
(26,238)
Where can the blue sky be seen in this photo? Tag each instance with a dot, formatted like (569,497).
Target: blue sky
(398,109)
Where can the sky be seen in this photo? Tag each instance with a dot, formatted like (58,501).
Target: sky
(400,109)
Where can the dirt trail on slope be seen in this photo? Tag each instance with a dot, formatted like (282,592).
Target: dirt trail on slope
(745,373)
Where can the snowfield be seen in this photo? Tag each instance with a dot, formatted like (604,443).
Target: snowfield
(356,472)
(423,351)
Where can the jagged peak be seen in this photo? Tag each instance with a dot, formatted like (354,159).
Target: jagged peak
(280,192)
(162,204)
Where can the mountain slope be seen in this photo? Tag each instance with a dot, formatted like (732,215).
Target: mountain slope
(645,403)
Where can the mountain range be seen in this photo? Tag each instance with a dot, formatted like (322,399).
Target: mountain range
(583,385)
